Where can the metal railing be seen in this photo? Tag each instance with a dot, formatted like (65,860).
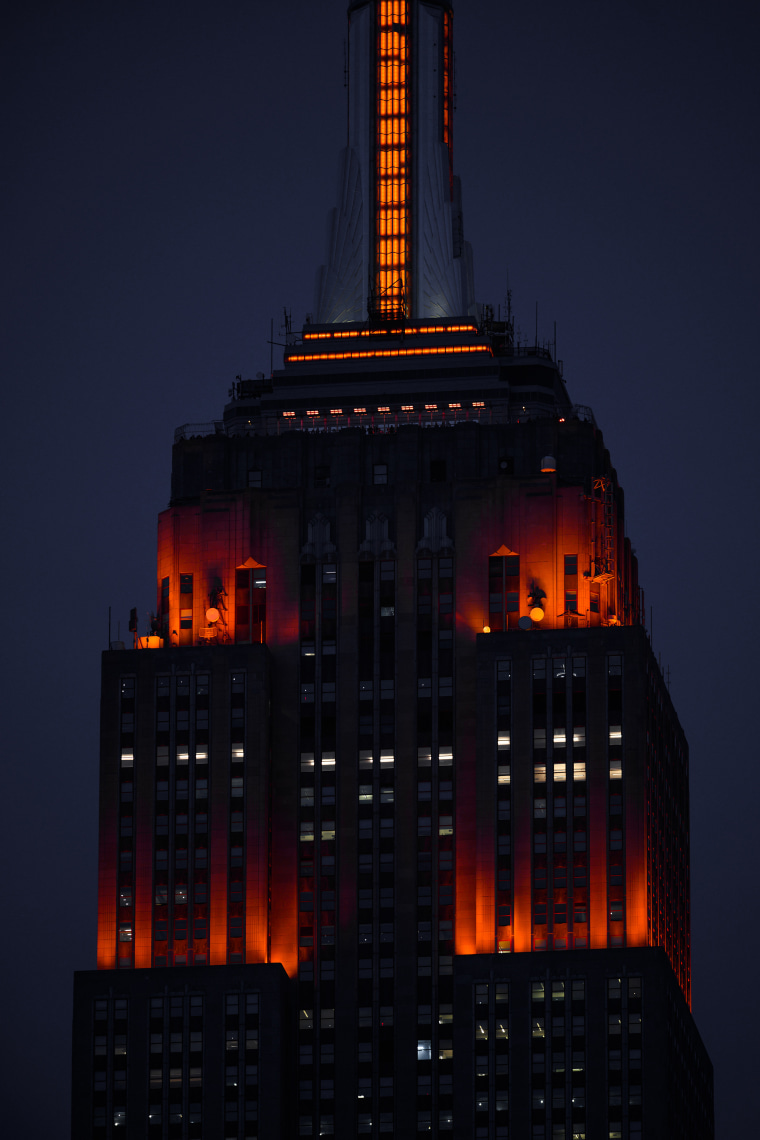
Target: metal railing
(383,422)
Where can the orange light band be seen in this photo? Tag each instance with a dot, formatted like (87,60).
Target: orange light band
(407,330)
(441,350)
(387,409)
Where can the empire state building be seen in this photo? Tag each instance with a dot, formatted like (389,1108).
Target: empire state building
(394,802)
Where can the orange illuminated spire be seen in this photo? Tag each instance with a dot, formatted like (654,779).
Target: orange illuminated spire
(395,243)
(392,159)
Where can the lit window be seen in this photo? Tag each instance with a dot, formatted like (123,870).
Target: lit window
(616,769)
(579,770)
(424,1050)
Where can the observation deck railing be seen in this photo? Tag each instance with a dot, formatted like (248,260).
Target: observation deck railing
(275,423)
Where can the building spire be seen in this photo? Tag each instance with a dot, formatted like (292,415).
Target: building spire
(395,246)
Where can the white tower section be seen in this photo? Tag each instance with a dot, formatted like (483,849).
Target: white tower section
(435,265)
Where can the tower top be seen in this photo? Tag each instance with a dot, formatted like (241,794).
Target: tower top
(395,241)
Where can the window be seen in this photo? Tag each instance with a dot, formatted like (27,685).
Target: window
(380,474)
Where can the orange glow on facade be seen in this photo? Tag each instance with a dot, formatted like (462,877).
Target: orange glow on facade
(466,926)
(392,158)
(107,884)
(143,886)
(236,558)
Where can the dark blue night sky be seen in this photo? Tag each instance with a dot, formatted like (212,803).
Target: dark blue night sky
(168,168)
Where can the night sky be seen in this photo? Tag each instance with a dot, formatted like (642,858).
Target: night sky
(168,168)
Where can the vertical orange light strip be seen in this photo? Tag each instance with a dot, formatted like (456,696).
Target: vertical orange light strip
(219,811)
(466,831)
(597,858)
(256,907)
(485,893)
(107,882)
(143,872)
(448,96)
(392,159)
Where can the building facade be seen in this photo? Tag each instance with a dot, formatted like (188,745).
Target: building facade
(394,780)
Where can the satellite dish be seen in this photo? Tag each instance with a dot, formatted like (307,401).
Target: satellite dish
(212,615)
(525,623)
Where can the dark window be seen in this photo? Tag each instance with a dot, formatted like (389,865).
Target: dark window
(571,564)
(185,583)
(438,471)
